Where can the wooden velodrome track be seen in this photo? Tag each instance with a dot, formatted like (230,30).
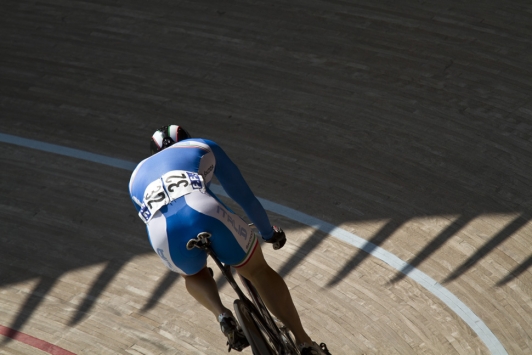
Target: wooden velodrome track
(407,125)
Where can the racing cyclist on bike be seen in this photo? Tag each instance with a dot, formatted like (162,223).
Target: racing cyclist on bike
(170,190)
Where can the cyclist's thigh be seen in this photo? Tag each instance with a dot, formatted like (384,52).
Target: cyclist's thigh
(232,239)
(254,265)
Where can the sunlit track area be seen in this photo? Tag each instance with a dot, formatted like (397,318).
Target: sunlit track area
(390,139)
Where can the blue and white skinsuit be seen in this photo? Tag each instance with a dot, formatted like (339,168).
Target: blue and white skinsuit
(170,190)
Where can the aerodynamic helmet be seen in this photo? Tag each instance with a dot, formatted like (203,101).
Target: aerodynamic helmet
(166,136)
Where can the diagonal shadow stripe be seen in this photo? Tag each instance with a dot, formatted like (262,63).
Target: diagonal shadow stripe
(434,245)
(166,283)
(516,272)
(32,302)
(504,234)
(312,243)
(384,233)
(103,280)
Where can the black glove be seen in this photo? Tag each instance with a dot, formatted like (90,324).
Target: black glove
(278,240)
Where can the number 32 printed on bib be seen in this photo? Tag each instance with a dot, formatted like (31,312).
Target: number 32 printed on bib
(167,188)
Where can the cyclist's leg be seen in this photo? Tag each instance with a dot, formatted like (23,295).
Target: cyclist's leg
(203,288)
(274,293)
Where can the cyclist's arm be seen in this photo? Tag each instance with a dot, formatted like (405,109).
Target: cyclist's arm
(236,187)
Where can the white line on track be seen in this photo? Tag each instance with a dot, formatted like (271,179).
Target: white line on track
(431,285)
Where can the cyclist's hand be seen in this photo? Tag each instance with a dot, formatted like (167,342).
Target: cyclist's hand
(278,240)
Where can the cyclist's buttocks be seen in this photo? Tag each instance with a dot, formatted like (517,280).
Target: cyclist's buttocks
(194,213)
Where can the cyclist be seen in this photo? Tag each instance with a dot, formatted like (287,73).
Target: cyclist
(170,190)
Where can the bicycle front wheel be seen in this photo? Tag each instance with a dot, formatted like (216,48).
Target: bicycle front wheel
(257,341)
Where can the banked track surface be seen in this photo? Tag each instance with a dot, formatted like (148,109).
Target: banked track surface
(456,306)
(405,124)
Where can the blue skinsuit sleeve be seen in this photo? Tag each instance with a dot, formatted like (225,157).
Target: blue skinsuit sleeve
(236,187)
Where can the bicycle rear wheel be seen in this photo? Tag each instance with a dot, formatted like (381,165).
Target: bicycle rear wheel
(257,341)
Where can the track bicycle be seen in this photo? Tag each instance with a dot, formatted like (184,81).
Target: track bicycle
(266,334)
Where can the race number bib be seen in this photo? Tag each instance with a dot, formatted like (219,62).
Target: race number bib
(169,187)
